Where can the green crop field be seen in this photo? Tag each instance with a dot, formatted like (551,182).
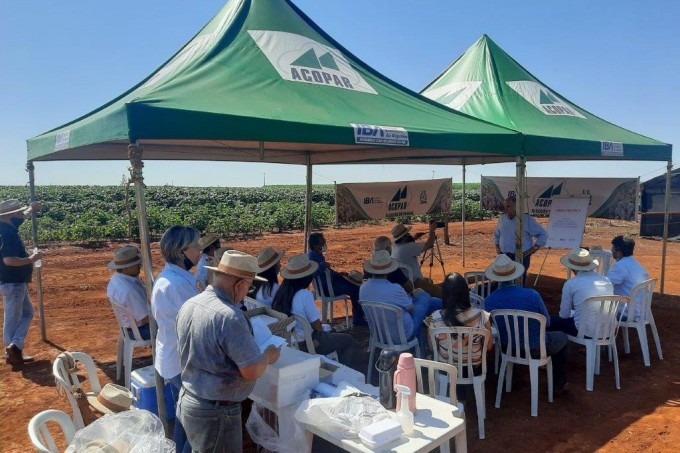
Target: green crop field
(81,213)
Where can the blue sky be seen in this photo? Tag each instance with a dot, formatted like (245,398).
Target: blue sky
(618,59)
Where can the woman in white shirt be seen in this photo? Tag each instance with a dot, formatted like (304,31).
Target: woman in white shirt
(269,261)
(294,298)
(174,286)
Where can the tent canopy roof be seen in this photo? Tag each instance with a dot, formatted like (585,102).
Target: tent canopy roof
(262,82)
(489,84)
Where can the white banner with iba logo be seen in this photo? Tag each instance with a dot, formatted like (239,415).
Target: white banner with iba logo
(381,200)
(609,198)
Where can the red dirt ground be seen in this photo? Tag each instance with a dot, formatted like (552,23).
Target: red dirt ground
(643,416)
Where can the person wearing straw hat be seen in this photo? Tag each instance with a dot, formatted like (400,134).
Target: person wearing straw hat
(293,298)
(219,357)
(125,289)
(586,283)
(510,296)
(407,251)
(317,248)
(269,261)
(209,244)
(16,272)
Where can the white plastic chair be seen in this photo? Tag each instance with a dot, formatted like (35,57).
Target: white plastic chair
(459,342)
(380,317)
(309,342)
(476,301)
(327,300)
(517,350)
(39,432)
(604,259)
(639,315)
(66,379)
(440,377)
(599,325)
(127,342)
(480,285)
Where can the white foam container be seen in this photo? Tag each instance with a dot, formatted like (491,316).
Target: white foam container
(380,433)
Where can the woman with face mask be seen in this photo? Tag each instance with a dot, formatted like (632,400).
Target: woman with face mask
(173,287)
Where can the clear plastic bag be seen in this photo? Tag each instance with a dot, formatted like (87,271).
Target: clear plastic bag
(342,417)
(135,431)
(291,436)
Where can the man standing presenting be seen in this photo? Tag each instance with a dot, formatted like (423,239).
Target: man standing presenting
(16,271)
(126,291)
(505,235)
(627,272)
(219,358)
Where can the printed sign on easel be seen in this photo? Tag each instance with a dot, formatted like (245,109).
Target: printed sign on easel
(567,222)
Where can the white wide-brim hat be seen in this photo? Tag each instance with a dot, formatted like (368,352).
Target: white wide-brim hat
(503,269)
(11,206)
(126,257)
(112,399)
(269,257)
(400,230)
(381,263)
(299,266)
(238,264)
(579,260)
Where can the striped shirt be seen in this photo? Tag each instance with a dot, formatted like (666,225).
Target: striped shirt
(472,317)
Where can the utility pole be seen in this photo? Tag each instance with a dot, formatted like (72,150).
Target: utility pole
(432,174)
(264,179)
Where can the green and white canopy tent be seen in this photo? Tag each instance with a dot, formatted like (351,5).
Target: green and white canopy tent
(262,83)
(487,83)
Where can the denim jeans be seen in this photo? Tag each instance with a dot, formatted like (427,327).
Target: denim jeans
(18,313)
(144,331)
(210,427)
(178,435)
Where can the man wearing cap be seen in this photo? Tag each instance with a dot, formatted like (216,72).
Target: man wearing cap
(575,291)
(126,291)
(16,271)
(407,252)
(509,296)
(627,272)
(219,358)
(505,235)
(209,244)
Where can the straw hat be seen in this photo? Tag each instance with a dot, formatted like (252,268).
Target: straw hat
(354,277)
(400,230)
(11,206)
(579,260)
(381,263)
(269,257)
(299,266)
(503,269)
(126,257)
(238,264)
(112,399)
(208,239)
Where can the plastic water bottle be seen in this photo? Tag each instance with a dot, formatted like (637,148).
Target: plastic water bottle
(404,415)
(39,262)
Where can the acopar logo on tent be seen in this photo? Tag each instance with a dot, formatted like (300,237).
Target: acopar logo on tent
(543,201)
(543,99)
(454,94)
(300,59)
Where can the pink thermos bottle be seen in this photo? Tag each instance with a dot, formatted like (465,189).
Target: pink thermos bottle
(406,375)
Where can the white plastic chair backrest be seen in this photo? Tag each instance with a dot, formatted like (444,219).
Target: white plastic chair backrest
(432,369)
(461,342)
(513,331)
(480,285)
(318,286)
(40,435)
(380,318)
(640,305)
(604,259)
(67,380)
(476,301)
(600,317)
(307,330)
(123,313)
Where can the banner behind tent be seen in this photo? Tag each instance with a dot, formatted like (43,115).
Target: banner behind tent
(567,222)
(609,198)
(380,200)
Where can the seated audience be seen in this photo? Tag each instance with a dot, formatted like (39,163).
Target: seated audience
(509,296)
(127,291)
(209,244)
(586,283)
(627,272)
(407,251)
(269,261)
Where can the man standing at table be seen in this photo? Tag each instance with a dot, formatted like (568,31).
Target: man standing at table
(16,272)
(505,236)
(219,358)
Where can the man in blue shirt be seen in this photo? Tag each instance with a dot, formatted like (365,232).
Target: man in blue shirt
(509,296)
(16,271)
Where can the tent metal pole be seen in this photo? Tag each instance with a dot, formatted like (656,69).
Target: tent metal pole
(34,225)
(137,178)
(666,207)
(462,217)
(521,173)
(308,201)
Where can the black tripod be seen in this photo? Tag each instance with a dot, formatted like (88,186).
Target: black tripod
(435,253)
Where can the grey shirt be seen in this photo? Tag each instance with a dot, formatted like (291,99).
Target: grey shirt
(215,340)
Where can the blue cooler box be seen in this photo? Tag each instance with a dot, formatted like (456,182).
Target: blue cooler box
(143,386)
